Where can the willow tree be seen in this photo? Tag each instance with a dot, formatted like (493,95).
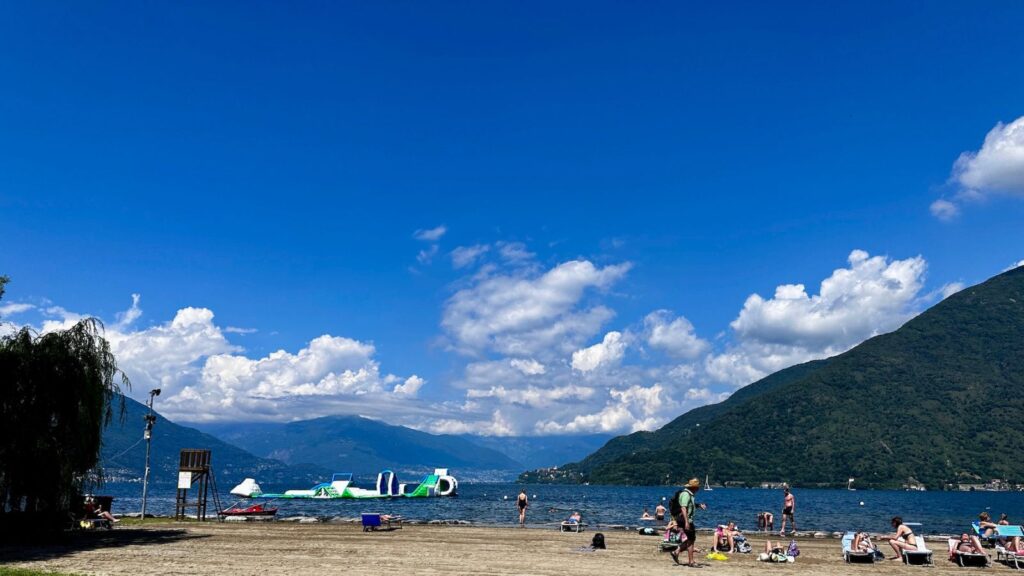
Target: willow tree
(57,392)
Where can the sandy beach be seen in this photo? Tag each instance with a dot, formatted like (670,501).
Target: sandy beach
(298,549)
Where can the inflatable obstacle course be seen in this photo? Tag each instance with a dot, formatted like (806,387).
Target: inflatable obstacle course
(440,483)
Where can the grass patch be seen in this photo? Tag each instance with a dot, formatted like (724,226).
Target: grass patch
(30,572)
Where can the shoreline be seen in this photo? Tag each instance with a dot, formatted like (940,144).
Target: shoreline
(289,548)
(591,528)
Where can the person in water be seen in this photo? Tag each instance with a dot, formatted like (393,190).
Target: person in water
(688,508)
(765,521)
(903,539)
(646,515)
(522,502)
(659,512)
(788,509)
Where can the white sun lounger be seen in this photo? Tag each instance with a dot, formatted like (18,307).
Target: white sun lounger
(920,557)
(855,556)
(572,526)
(1009,557)
(965,558)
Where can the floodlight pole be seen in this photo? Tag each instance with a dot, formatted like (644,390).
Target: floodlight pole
(148,435)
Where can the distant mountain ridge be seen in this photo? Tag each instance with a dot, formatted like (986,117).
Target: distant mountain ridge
(363,446)
(123,454)
(936,401)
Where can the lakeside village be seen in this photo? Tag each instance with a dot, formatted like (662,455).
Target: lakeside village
(968,483)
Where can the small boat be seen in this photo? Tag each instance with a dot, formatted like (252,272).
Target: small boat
(707,485)
(254,510)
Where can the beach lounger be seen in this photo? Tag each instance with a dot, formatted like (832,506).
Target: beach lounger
(571,526)
(964,558)
(920,557)
(373,521)
(852,556)
(1009,557)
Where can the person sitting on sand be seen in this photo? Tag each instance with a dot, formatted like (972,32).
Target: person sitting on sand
(725,537)
(673,533)
(902,539)
(659,513)
(646,515)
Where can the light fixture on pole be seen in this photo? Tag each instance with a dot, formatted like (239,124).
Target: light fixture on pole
(148,435)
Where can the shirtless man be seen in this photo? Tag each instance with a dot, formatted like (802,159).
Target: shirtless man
(788,509)
(659,512)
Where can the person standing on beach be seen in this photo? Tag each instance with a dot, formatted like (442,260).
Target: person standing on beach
(685,519)
(522,503)
(788,509)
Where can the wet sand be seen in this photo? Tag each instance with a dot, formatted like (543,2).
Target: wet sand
(317,549)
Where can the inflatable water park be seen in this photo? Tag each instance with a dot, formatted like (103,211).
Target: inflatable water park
(440,483)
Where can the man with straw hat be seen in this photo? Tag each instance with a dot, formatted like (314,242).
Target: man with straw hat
(685,519)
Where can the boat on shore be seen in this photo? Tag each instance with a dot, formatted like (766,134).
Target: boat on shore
(261,510)
(440,483)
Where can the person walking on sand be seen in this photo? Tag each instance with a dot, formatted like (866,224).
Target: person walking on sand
(687,503)
(522,502)
(788,509)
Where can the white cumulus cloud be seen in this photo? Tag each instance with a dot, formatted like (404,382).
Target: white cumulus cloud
(944,209)
(996,168)
(872,296)
(676,336)
(529,314)
(607,352)
(529,367)
(410,387)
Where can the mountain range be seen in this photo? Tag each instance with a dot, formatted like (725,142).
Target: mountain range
(936,402)
(123,454)
(301,453)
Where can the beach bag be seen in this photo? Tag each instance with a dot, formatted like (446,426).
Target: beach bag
(744,547)
(598,542)
(673,505)
(793,551)
(647,531)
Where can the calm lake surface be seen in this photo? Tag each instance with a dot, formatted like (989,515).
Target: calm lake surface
(826,510)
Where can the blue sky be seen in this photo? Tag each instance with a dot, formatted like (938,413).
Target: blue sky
(271,164)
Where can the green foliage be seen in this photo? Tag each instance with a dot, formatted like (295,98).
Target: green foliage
(55,398)
(938,400)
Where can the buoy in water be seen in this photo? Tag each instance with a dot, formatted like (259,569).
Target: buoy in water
(861,502)
(504,497)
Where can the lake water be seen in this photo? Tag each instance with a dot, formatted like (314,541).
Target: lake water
(826,510)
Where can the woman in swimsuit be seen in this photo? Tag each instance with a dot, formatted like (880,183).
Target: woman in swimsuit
(522,502)
(987,526)
(902,539)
